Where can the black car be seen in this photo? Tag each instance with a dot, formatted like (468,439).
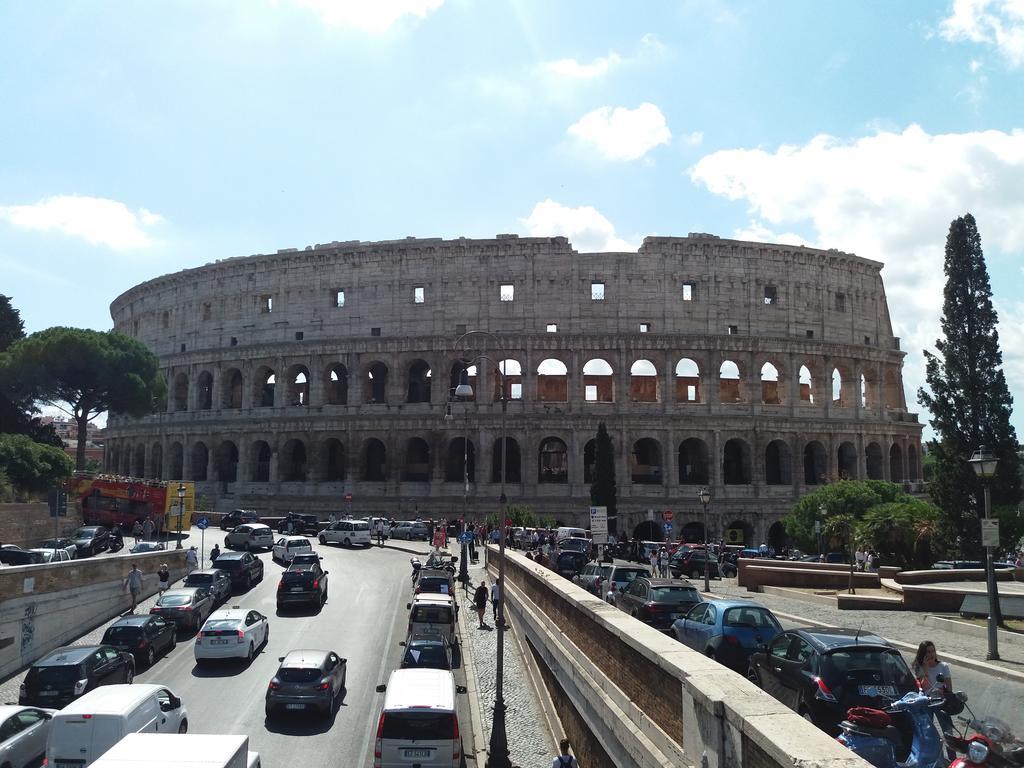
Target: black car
(427,652)
(657,602)
(244,568)
(307,680)
(65,674)
(21,557)
(569,562)
(144,637)
(302,583)
(238,517)
(821,673)
(436,581)
(91,540)
(299,523)
(691,563)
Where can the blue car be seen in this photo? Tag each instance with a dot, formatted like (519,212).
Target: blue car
(727,630)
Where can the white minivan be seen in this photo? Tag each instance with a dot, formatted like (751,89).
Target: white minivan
(419,723)
(348,533)
(567,532)
(189,750)
(92,724)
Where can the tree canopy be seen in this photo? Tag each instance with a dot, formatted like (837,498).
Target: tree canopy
(18,413)
(32,466)
(603,492)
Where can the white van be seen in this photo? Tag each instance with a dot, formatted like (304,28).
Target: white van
(171,750)
(566,532)
(348,533)
(92,724)
(419,723)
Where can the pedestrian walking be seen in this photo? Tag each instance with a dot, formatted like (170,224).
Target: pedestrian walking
(164,577)
(869,561)
(378,529)
(137,531)
(133,583)
(663,563)
(147,529)
(652,558)
(480,602)
(495,599)
(860,557)
(928,669)
(191,560)
(214,553)
(563,759)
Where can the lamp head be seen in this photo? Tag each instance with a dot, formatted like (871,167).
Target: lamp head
(704,495)
(984,462)
(181,491)
(464,390)
(448,412)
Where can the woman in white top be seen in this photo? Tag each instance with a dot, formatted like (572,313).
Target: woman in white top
(928,669)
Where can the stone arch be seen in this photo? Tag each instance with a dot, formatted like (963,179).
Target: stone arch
(896,463)
(261,458)
(227,461)
(552,461)
(868,388)
(772,384)
(847,461)
(744,533)
(179,393)
(513,371)
(204,391)
(815,463)
(730,383)
(419,376)
(376,381)
(200,459)
(298,385)
(736,469)
(598,381)
(778,463)
(264,386)
(777,538)
(552,381)
(456,377)
(873,461)
(460,461)
(694,463)
(893,389)
(513,463)
(648,530)
(177,462)
(842,386)
(645,462)
(688,388)
(292,466)
(808,386)
(416,466)
(332,457)
(231,396)
(913,466)
(156,462)
(139,461)
(336,385)
(692,532)
(644,382)
(375,461)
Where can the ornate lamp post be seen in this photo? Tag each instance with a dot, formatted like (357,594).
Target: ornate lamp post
(181,511)
(984,464)
(704,495)
(464,549)
(822,511)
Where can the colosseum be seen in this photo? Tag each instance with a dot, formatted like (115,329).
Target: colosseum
(323,379)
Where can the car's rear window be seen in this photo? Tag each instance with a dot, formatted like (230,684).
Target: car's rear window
(173,600)
(432,584)
(198,579)
(119,634)
(54,675)
(674,594)
(221,625)
(360,526)
(426,655)
(298,674)
(419,726)
(431,614)
(754,618)
(853,663)
(229,565)
(624,576)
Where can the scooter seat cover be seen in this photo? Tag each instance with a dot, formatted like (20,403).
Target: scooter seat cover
(868,717)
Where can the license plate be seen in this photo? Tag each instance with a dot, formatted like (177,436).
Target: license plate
(872,691)
(48,693)
(69,763)
(294,706)
(215,641)
(409,753)
(296,589)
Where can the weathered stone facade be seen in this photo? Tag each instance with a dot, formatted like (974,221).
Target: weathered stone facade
(297,378)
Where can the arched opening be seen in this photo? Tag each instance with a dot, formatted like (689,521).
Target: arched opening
(692,532)
(552,381)
(139,464)
(598,382)
(181,392)
(200,459)
(513,462)
(227,462)
(841,383)
(553,464)
(730,386)
(736,462)
(232,394)
(298,385)
(771,390)
(913,466)
(806,386)
(334,461)
(376,383)
(419,382)
(156,462)
(873,461)
(893,390)
(513,380)
(375,466)
(645,462)
(336,385)
(815,464)
(739,533)
(648,531)
(847,461)
(778,463)
(261,457)
(455,378)
(643,382)
(693,462)
(417,461)
(177,468)
(688,388)
(265,383)
(777,538)
(896,463)
(868,389)
(204,391)
(293,462)
(460,463)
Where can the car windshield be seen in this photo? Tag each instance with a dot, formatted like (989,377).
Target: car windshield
(857,663)
(298,674)
(53,675)
(754,618)
(418,726)
(173,600)
(674,594)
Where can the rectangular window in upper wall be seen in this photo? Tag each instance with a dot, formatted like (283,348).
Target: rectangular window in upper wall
(733,330)
(339,298)
(689,291)
(552,328)
(266,304)
(418,295)
(508,292)
(645,327)
(591,393)
(771,294)
(597,291)
(516,391)
(840,302)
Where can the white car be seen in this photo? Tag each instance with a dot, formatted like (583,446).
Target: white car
(232,633)
(347,533)
(286,547)
(23,732)
(250,536)
(49,557)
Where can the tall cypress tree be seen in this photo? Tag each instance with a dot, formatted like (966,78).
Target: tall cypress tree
(602,489)
(968,398)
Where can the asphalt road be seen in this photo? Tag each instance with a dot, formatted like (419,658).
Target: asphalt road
(363,621)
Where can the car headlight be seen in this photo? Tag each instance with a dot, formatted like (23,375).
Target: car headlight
(977,751)
(80,685)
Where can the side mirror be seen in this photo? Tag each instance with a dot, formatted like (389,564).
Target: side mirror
(381,688)
(326,572)
(402,643)
(460,689)
(344,661)
(455,559)
(280,658)
(408,606)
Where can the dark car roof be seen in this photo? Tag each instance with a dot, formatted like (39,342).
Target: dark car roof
(665,582)
(71,654)
(230,556)
(206,571)
(132,621)
(832,638)
(436,573)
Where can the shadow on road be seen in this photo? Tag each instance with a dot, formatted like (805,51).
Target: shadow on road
(304,723)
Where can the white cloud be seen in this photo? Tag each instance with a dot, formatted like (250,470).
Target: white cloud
(97,220)
(693,139)
(992,22)
(622,134)
(890,197)
(574,69)
(975,65)
(587,229)
(373,16)
(757,232)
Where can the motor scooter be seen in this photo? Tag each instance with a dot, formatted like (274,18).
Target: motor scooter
(115,543)
(879,741)
(992,745)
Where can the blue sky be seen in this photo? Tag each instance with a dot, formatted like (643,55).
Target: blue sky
(143,138)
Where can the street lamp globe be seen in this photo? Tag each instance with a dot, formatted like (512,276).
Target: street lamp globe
(181,511)
(704,495)
(984,463)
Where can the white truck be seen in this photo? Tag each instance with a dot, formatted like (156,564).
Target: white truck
(186,750)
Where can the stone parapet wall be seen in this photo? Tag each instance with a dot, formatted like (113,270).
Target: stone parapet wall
(28,524)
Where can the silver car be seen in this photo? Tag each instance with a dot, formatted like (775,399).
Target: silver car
(307,680)
(213,579)
(23,732)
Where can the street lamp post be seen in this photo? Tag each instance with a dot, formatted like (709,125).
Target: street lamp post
(984,463)
(822,510)
(497,753)
(704,495)
(464,549)
(181,510)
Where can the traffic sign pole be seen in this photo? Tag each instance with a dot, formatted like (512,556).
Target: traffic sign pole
(202,524)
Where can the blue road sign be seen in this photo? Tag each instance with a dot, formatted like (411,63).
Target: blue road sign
(465,537)
(203,523)
(668,527)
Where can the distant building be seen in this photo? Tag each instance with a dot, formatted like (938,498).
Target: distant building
(67,430)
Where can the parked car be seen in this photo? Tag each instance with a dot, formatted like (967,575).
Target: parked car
(727,630)
(238,517)
(62,542)
(147,546)
(143,636)
(575,544)
(18,556)
(618,578)
(285,547)
(411,532)
(427,652)
(231,633)
(348,533)
(213,579)
(657,602)
(569,563)
(187,607)
(250,536)
(440,581)
(307,680)
(63,675)
(821,673)
(691,563)
(91,540)
(51,555)
(295,522)
(302,583)
(23,733)
(243,568)
(591,576)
